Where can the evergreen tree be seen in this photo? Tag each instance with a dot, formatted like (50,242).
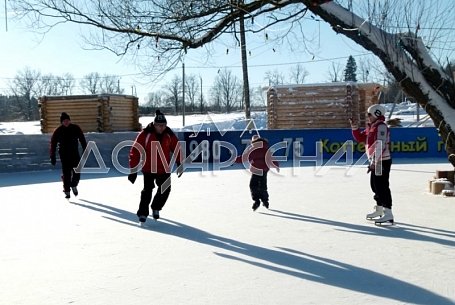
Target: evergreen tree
(349,71)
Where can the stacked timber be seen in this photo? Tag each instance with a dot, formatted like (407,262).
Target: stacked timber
(93,113)
(326,105)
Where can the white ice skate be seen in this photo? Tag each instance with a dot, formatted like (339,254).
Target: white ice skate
(387,218)
(379,211)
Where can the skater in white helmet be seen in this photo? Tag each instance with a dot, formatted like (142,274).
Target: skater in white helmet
(376,137)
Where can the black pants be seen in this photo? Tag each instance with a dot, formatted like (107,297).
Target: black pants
(380,185)
(69,176)
(258,187)
(160,197)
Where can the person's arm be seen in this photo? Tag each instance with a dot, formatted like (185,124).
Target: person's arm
(81,138)
(53,147)
(135,155)
(359,136)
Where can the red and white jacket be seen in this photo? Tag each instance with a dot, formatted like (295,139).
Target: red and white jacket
(376,137)
(158,149)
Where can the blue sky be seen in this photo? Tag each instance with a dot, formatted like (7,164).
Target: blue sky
(62,50)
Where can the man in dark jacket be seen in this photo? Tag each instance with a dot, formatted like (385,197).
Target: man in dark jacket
(66,136)
(158,141)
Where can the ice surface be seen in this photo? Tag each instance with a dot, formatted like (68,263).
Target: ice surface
(313,247)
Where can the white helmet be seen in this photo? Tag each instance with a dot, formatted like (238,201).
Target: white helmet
(376,110)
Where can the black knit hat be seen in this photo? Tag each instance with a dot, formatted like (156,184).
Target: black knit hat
(64,116)
(160,119)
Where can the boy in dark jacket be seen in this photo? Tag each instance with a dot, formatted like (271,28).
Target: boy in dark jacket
(260,159)
(67,136)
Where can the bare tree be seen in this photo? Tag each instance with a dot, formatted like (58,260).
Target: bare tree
(110,84)
(192,89)
(227,90)
(364,70)
(91,83)
(174,89)
(298,74)
(48,85)
(156,100)
(259,97)
(24,88)
(335,72)
(275,77)
(410,37)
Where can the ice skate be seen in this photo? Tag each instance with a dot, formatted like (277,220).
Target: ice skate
(265,204)
(142,220)
(74,189)
(379,211)
(387,218)
(256,205)
(67,195)
(156,214)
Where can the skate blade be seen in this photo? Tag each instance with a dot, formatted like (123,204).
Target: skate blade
(142,224)
(385,223)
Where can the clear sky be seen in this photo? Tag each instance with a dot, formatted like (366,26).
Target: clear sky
(62,51)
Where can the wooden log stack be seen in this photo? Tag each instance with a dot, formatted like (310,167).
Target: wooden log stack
(325,105)
(93,113)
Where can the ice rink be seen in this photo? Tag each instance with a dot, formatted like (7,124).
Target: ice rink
(314,245)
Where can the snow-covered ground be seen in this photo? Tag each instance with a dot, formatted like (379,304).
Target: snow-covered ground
(313,246)
(222,122)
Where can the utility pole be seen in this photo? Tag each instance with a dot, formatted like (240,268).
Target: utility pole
(200,77)
(6,17)
(246,85)
(183,91)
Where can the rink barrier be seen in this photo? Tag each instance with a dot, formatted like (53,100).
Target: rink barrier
(31,152)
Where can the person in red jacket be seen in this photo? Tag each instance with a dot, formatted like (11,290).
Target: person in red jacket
(260,159)
(158,141)
(66,136)
(376,137)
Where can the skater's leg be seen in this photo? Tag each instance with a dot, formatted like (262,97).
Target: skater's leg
(264,191)
(255,182)
(161,195)
(75,176)
(146,194)
(66,174)
(382,185)
(373,188)
(255,187)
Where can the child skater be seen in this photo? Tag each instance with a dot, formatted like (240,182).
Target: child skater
(260,159)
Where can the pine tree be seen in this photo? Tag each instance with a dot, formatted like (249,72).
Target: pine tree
(349,71)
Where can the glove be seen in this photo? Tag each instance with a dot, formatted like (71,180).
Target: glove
(53,160)
(179,170)
(132,177)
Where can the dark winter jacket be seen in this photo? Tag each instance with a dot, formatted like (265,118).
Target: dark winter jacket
(152,142)
(377,131)
(67,140)
(259,156)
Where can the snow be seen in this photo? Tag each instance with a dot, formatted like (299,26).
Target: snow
(313,247)
(214,121)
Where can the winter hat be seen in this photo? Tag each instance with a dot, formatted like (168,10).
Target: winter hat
(376,111)
(160,119)
(64,116)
